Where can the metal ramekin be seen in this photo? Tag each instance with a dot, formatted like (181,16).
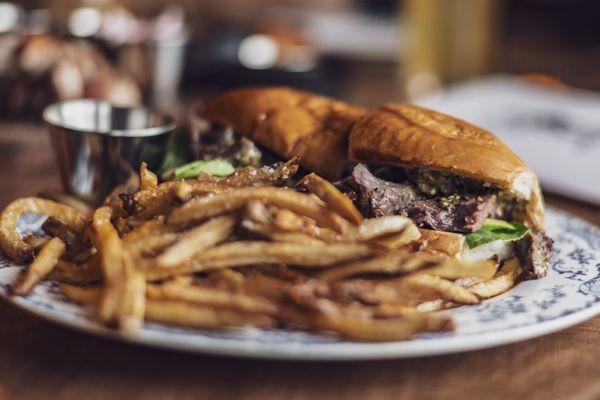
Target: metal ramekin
(98,145)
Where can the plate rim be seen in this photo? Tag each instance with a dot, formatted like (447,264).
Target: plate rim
(361,351)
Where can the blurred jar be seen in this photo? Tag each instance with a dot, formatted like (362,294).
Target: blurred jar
(155,55)
(151,50)
(448,41)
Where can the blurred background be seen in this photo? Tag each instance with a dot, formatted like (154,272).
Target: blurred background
(169,53)
(367,51)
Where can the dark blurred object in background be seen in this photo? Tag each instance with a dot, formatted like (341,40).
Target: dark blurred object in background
(369,51)
(40,69)
(104,52)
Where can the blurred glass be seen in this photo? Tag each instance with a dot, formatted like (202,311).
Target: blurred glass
(448,41)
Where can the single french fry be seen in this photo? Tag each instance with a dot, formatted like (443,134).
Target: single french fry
(445,289)
(84,273)
(132,298)
(372,228)
(381,330)
(40,268)
(453,269)
(196,240)
(124,291)
(400,239)
(276,235)
(505,280)
(109,245)
(148,180)
(257,212)
(82,294)
(189,315)
(151,245)
(148,228)
(389,263)
(335,199)
(211,297)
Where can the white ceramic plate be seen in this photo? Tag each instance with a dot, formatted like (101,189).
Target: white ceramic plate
(568,295)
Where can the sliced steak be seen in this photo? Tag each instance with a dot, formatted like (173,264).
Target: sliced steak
(534,251)
(376,197)
(467,215)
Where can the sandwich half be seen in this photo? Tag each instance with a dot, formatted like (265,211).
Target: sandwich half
(265,124)
(472,196)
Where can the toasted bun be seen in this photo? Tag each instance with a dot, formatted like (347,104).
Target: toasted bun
(290,123)
(414,136)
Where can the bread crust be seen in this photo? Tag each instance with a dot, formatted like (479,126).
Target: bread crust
(413,136)
(290,123)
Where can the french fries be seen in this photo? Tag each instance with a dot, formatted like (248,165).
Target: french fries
(233,200)
(182,313)
(223,253)
(245,253)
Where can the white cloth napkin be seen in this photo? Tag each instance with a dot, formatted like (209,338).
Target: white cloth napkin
(557,132)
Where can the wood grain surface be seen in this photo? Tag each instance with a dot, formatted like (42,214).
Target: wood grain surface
(39,360)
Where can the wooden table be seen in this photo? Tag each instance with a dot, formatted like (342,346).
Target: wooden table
(39,360)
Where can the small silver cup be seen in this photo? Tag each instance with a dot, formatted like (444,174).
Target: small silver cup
(98,146)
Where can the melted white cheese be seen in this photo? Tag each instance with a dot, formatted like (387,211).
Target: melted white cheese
(502,248)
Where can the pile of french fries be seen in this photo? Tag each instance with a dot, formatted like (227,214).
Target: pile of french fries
(241,251)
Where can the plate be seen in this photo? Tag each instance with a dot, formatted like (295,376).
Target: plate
(568,295)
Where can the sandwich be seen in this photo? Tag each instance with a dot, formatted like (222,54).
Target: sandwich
(472,196)
(258,126)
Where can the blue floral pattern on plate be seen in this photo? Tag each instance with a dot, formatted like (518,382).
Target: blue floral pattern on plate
(568,295)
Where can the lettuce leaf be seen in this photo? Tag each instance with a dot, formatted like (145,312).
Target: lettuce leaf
(216,167)
(495,229)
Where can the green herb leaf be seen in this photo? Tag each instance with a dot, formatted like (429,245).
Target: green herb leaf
(216,167)
(495,229)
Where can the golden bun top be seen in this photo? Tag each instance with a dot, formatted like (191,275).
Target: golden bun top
(414,136)
(290,123)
